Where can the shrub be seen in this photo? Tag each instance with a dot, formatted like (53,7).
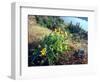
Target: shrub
(55,44)
(77,31)
(50,22)
(51,48)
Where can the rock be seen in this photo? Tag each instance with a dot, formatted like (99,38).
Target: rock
(81,53)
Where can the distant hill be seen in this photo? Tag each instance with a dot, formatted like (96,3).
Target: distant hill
(84,18)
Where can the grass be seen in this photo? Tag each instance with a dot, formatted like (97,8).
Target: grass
(37,32)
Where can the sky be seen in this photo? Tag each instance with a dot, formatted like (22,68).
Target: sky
(83,23)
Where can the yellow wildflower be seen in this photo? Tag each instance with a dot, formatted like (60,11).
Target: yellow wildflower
(58,33)
(65,33)
(43,52)
(55,30)
(61,32)
(62,35)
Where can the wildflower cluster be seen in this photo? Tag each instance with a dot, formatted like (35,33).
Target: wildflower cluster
(60,32)
(43,52)
(53,45)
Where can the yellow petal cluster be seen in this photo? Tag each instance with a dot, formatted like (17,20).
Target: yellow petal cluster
(59,31)
(43,52)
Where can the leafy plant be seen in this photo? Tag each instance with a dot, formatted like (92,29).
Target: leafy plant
(56,43)
(38,57)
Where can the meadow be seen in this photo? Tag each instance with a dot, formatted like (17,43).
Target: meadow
(52,41)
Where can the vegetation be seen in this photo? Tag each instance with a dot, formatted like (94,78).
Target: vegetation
(77,31)
(84,18)
(55,43)
(50,22)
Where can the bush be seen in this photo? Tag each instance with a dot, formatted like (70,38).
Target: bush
(55,44)
(50,22)
(77,31)
(51,48)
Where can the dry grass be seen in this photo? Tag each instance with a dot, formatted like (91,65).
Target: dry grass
(36,33)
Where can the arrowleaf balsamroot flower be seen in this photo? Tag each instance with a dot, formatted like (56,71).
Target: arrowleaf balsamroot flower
(43,52)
